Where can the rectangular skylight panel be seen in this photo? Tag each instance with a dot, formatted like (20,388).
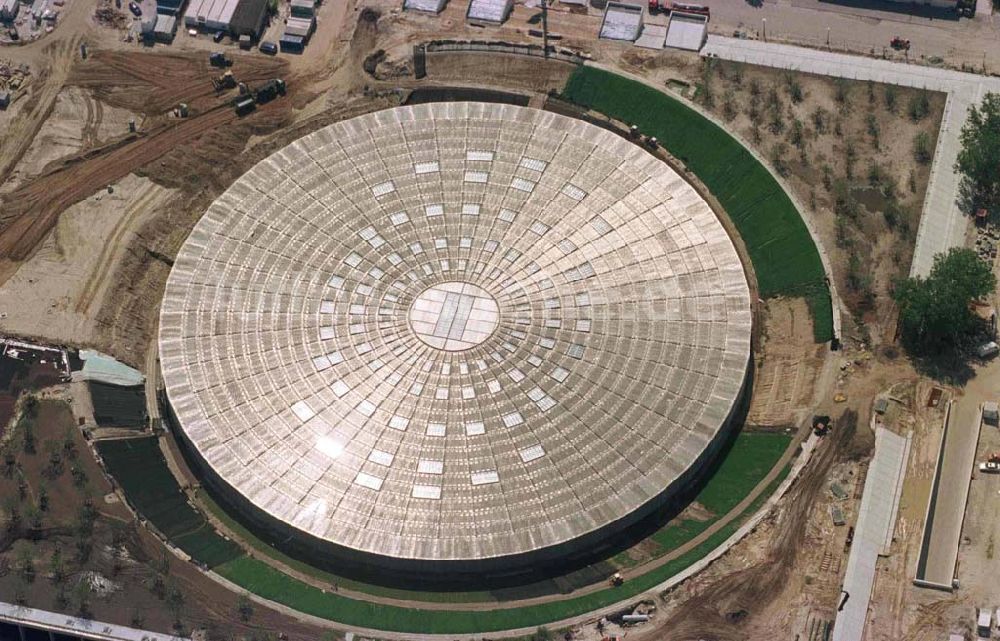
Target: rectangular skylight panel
(532,453)
(398,218)
(303,411)
(382,189)
(600,225)
(512,419)
(470,209)
(485,477)
(573,191)
(428,466)
(479,155)
(435,429)
(534,164)
(507,215)
(521,184)
(477,176)
(434,210)
(380,457)
(369,481)
(426,167)
(475,428)
(538,227)
(398,422)
(559,374)
(432,492)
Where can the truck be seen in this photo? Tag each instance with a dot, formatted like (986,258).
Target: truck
(668,6)
(987,350)
(219,59)
(269,90)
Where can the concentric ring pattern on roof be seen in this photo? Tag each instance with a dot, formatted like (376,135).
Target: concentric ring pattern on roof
(455,331)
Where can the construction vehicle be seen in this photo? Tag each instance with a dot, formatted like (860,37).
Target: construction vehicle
(244,105)
(616,579)
(225,81)
(900,44)
(269,91)
(219,59)
(668,6)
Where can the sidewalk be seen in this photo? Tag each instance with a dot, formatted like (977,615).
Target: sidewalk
(942,224)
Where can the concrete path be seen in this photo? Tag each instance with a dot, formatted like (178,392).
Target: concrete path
(942,224)
(946,509)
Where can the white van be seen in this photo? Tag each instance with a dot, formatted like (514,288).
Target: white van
(984,623)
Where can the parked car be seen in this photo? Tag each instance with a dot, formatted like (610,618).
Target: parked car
(135,9)
(989,466)
(269,48)
(219,35)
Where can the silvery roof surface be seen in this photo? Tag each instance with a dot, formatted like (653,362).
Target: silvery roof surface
(455,331)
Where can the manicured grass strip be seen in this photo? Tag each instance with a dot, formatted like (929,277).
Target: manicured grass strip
(751,457)
(784,256)
(263,580)
(265,549)
(139,467)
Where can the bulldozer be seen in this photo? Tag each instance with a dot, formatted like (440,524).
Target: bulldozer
(225,81)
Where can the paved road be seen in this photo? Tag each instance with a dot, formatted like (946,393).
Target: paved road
(832,24)
(942,224)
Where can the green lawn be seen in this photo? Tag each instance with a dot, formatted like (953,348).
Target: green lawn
(784,256)
(262,579)
(139,467)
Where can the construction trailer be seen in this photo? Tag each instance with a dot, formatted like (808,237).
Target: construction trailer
(622,22)
(301,27)
(303,8)
(235,17)
(493,12)
(292,44)
(425,6)
(170,7)
(165,28)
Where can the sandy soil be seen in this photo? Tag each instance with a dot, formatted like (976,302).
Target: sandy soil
(72,267)
(77,122)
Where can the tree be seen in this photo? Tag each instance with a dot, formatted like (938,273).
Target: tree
(979,159)
(934,312)
(920,106)
(244,608)
(175,603)
(57,568)
(922,151)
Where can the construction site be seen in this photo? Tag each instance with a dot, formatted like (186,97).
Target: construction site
(466,320)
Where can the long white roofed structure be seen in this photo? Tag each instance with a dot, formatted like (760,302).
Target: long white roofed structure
(455,336)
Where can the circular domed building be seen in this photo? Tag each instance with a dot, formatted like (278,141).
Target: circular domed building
(455,338)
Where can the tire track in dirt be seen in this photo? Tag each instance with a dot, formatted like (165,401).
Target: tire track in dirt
(151,83)
(104,262)
(721,610)
(18,136)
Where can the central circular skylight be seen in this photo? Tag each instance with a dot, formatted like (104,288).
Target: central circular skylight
(454,316)
(454,334)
